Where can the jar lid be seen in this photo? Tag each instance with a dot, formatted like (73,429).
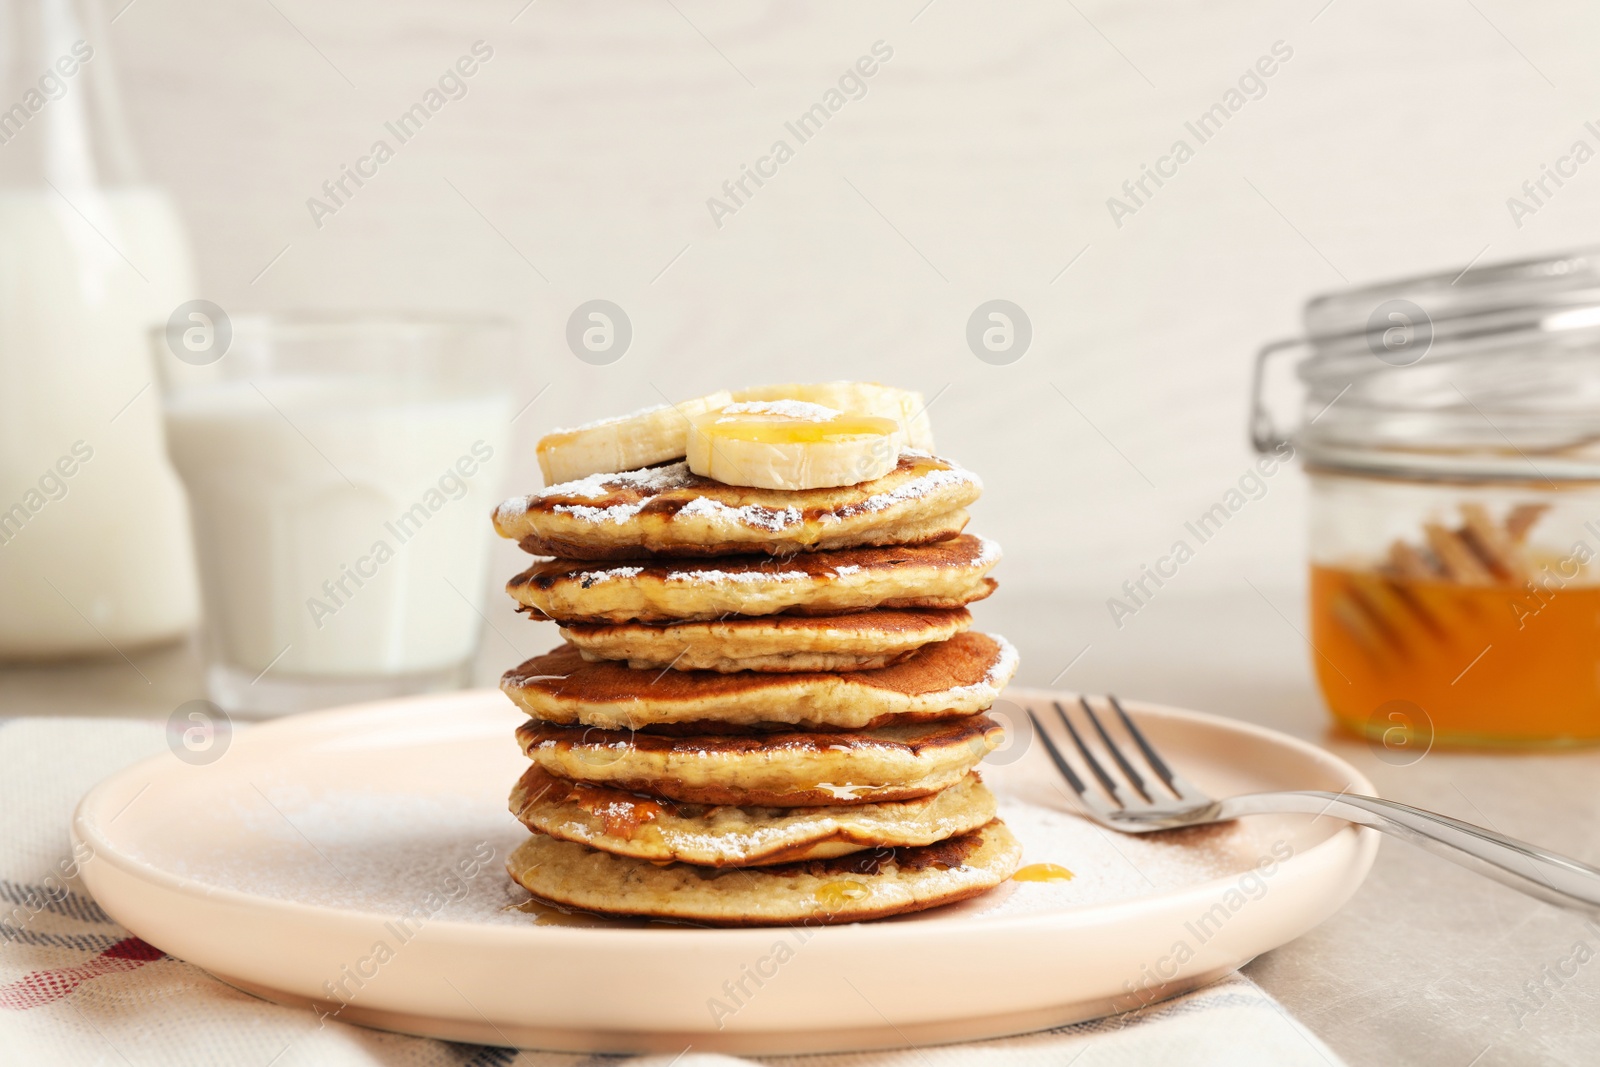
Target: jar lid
(1547,294)
(1483,372)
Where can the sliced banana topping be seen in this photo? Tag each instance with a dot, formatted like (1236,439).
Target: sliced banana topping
(625,443)
(807,436)
(867,398)
(792,444)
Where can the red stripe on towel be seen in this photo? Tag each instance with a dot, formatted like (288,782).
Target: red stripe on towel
(44,987)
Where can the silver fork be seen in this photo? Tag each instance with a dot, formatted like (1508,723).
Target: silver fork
(1164,800)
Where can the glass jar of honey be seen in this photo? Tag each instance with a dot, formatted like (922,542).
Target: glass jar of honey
(1450,427)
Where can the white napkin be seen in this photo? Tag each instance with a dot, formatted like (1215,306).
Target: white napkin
(77,988)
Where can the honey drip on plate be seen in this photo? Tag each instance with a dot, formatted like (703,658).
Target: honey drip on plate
(548,916)
(835,895)
(1042,872)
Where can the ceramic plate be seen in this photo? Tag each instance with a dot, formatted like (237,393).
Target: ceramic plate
(352,860)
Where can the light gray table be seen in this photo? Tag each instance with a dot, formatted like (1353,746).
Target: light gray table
(1427,964)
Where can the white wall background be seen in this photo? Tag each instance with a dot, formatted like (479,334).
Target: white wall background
(977,166)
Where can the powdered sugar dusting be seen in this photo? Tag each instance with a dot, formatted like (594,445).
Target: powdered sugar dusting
(1107,867)
(436,853)
(788,409)
(398,822)
(617,513)
(428,855)
(995,678)
(919,487)
(715,577)
(649,479)
(511,510)
(1003,668)
(589,578)
(752,515)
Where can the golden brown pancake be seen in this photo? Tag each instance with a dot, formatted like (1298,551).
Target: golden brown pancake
(782,644)
(780,767)
(673,511)
(941,681)
(724,835)
(864,885)
(945,574)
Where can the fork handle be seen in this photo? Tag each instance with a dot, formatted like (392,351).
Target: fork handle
(1540,873)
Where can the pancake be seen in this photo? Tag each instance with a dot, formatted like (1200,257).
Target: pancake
(670,510)
(782,644)
(946,574)
(722,835)
(781,768)
(946,680)
(864,885)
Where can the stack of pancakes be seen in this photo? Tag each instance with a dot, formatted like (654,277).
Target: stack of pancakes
(769,704)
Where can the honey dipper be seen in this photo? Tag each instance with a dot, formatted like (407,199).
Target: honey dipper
(1384,615)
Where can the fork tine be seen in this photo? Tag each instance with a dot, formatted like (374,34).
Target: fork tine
(1106,781)
(1055,755)
(1132,775)
(1088,804)
(1173,780)
(1123,812)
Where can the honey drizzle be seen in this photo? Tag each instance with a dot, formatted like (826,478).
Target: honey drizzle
(545,915)
(767,429)
(835,895)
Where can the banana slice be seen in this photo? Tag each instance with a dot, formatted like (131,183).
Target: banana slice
(792,444)
(867,398)
(624,443)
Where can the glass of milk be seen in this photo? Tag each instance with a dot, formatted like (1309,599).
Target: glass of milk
(339,474)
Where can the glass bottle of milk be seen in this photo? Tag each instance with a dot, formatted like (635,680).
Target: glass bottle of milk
(94,538)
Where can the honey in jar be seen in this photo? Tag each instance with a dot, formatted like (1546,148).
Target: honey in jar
(1450,425)
(1497,661)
